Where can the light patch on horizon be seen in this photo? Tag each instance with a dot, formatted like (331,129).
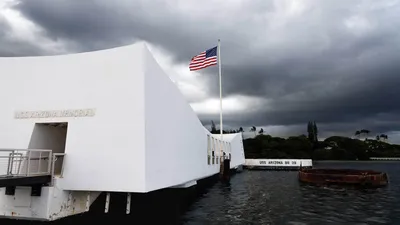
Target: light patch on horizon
(191,84)
(294,7)
(286,11)
(211,9)
(230,105)
(21,28)
(358,25)
(333,61)
(394,137)
(276,131)
(25,31)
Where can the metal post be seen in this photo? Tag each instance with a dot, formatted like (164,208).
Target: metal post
(52,169)
(50,162)
(9,165)
(19,164)
(40,159)
(107,202)
(29,163)
(62,167)
(220,86)
(12,162)
(128,204)
(220,94)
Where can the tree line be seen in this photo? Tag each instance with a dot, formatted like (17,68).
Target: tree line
(214,130)
(358,147)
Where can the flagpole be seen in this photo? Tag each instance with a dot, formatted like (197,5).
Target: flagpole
(220,93)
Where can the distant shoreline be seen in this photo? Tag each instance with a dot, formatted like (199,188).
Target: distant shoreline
(335,148)
(338,160)
(361,161)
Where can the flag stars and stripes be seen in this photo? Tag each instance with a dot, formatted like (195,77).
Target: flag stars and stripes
(204,59)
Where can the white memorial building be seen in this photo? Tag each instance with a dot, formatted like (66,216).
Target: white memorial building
(73,126)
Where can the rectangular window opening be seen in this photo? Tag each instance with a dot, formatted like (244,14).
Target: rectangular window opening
(50,136)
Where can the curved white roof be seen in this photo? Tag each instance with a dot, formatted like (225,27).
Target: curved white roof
(129,127)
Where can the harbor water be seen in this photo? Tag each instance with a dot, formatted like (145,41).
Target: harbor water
(276,197)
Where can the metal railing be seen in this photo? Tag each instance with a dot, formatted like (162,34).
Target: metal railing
(31,162)
(57,169)
(25,162)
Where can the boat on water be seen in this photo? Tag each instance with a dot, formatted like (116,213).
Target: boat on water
(361,178)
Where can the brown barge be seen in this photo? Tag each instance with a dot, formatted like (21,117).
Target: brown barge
(363,178)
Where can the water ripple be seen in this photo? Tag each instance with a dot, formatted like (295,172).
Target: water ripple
(276,197)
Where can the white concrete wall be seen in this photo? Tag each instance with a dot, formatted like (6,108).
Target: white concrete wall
(104,152)
(143,135)
(238,157)
(54,203)
(3,163)
(237,150)
(176,141)
(23,205)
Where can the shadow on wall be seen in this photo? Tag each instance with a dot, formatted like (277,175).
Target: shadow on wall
(51,136)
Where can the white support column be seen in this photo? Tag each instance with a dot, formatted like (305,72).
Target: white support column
(70,200)
(107,202)
(87,202)
(128,204)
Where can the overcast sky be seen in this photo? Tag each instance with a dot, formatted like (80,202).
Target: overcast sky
(283,62)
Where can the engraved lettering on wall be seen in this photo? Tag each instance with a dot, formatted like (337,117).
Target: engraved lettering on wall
(55,113)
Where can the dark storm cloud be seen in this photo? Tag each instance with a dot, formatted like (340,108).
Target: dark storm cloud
(336,62)
(17,43)
(103,24)
(10,46)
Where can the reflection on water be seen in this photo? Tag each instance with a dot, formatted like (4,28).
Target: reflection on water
(276,197)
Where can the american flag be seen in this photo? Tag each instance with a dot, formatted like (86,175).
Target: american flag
(204,59)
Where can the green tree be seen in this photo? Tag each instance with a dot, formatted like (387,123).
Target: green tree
(357,133)
(261,131)
(364,133)
(383,137)
(310,131)
(253,129)
(332,148)
(213,127)
(315,130)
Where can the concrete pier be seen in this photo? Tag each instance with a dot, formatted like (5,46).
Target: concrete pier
(277,164)
(385,158)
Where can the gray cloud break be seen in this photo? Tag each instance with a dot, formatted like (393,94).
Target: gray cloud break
(335,62)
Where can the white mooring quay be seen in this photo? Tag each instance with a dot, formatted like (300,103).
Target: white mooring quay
(278,164)
(385,158)
(74,126)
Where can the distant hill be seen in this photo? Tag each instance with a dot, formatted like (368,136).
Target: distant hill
(332,148)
